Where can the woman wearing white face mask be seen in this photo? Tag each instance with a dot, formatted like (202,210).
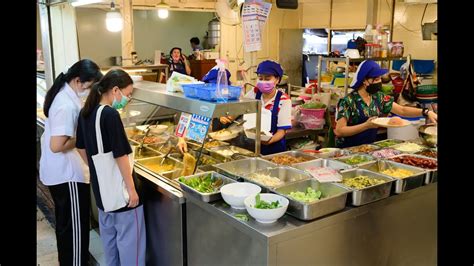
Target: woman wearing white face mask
(277,102)
(60,164)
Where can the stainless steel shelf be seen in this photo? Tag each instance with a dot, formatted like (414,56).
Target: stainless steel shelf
(155,93)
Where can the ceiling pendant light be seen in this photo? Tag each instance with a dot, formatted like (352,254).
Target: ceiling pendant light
(163,10)
(113,20)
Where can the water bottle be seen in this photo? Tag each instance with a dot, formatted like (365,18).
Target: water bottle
(222,85)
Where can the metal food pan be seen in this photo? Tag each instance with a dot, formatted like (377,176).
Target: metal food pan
(237,169)
(432,175)
(217,152)
(333,199)
(336,165)
(292,153)
(203,159)
(369,194)
(369,157)
(196,147)
(144,152)
(221,143)
(149,163)
(206,197)
(341,153)
(355,148)
(286,174)
(398,141)
(422,147)
(401,185)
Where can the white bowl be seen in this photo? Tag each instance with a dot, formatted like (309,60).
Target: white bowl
(158,129)
(266,215)
(234,194)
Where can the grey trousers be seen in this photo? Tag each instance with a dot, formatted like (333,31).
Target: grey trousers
(123,237)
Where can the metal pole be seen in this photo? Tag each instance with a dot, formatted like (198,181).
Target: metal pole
(258,128)
(320,59)
(346,78)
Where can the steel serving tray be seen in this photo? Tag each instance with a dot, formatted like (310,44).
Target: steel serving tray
(432,175)
(206,197)
(357,149)
(291,153)
(380,143)
(285,173)
(332,200)
(237,169)
(334,164)
(366,156)
(369,194)
(404,184)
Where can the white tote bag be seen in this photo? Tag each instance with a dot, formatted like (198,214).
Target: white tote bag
(113,190)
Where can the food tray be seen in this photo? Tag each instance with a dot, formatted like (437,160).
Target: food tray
(336,165)
(369,157)
(428,150)
(432,175)
(230,136)
(380,143)
(401,185)
(357,149)
(291,153)
(221,143)
(237,169)
(218,152)
(144,152)
(284,173)
(422,147)
(369,194)
(206,197)
(338,154)
(333,199)
(150,162)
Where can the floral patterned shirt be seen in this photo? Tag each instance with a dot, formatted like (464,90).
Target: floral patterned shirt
(381,104)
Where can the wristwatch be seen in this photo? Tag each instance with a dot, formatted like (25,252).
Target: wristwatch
(424,112)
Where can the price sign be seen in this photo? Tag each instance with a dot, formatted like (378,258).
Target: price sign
(183,124)
(198,128)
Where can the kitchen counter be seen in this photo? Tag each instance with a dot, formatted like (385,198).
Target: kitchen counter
(397,230)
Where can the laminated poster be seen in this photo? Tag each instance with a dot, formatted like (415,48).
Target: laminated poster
(198,127)
(182,125)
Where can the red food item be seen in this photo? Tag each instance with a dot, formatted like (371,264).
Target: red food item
(418,162)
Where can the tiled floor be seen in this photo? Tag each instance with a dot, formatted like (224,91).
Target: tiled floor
(46,252)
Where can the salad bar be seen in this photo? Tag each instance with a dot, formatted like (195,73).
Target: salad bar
(275,209)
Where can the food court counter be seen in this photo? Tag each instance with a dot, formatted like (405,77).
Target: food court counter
(398,230)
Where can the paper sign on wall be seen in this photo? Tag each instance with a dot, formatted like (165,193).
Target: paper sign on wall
(254,15)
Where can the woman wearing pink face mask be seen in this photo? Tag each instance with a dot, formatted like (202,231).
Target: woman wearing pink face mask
(269,75)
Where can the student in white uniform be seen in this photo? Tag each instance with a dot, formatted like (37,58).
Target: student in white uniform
(61,168)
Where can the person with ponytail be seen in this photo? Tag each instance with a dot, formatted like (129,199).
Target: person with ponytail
(122,231)
(61,168)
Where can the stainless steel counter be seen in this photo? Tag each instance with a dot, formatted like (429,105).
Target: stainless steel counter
(399,230)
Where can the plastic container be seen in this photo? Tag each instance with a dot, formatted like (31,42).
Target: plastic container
(395,49)
(312,118)
(370,50)
(208,92)
(190,90)
(409,132)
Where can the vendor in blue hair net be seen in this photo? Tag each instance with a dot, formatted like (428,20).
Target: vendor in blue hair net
(356,111)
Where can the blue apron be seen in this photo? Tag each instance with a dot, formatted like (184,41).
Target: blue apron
(364,137)
(279,146)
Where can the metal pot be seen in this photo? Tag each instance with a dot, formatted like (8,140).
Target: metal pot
(116,60)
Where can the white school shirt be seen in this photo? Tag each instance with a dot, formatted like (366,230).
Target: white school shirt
(62,167)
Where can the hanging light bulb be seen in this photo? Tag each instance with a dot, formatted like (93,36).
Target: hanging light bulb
(113,19)
(163,10)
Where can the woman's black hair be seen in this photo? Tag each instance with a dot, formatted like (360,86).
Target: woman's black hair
(85,69)
(195,40)
(174,48)
(115,77)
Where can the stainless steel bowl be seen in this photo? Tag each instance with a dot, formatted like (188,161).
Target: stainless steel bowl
(428,139)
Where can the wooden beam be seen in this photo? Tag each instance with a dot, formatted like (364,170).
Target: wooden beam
(128,41)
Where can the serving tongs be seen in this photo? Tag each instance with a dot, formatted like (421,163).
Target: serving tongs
(172,148)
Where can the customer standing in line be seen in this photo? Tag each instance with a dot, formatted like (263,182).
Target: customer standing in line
(61,169)
(122,231)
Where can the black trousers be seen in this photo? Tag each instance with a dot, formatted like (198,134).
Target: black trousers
(72,211)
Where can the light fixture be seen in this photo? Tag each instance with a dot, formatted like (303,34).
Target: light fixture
(113,19)
(76,3)
(163,10)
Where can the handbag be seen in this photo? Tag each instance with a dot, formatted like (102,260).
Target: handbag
(113,190)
